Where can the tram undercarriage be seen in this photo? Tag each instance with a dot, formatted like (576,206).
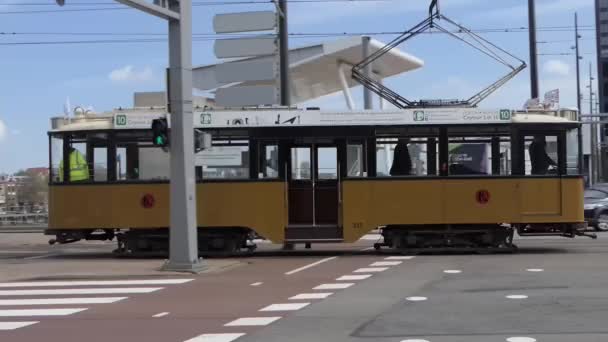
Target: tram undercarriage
(155,242)
(469,238)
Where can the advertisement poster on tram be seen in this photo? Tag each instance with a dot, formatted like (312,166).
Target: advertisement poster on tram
(468,159)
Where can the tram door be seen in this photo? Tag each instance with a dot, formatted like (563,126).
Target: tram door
(314,176)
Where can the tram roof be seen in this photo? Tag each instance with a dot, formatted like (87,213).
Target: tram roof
(142,119)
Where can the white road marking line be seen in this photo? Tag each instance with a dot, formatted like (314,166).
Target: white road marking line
(320,295)
(14,325)
(366,249)
(354,277)
(252,321)
(257,284)
(44,256)
(39,312)
(521,339)
(61,301)
(535,270)
(400,258)
(415,341)
(159,315)
(452,271)
(97,283)
(216,337)
(285,307)
(416,299)
(309,266)
(371,270)
(386,263)
(338,286)
(79,291)
(517,297)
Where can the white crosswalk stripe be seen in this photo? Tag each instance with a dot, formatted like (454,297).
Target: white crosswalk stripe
(14,325)
(50,292)
(97,283)
(69,295)
(39,312)
(60,301)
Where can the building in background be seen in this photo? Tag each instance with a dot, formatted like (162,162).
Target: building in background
(25,191)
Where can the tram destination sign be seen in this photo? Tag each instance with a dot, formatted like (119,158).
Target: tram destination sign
(274,118)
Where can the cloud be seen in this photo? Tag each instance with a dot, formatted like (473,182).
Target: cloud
(129,74)
(3,130)
(557,67)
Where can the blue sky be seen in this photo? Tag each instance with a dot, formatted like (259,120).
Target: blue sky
(36,79)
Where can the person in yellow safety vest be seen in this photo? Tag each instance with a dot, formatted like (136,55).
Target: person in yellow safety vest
(79,170)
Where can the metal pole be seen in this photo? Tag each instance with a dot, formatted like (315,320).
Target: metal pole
(593,134)
(284,54)
(367,71)
(533,54)
(183,240)
(578,95)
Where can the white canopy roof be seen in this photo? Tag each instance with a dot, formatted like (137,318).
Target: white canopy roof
(315,68)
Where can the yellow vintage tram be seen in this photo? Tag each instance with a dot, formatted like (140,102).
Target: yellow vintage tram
(310,176)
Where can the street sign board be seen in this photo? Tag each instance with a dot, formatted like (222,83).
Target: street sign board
(255,70)
(247,96)
(245,22)
(246,47)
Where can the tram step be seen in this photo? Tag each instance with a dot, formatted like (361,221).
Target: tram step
(318,233)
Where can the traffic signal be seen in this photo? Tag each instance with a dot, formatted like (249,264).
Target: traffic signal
(160,132)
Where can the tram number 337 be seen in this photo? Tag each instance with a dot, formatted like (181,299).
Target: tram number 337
(357,225)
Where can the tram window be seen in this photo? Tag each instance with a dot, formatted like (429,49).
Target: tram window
(541,155)
(419,155)
(100,165)
(479,155)
(470,156)
(270,163)
(224,161)
(301,163)
(121,163)
(154,163)
(327,160)
(354,160)
(80,148)
(56,157)
(572,152)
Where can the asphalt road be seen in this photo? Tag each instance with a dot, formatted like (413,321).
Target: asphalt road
(552,290)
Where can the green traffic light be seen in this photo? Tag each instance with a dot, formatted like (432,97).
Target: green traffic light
(160,140)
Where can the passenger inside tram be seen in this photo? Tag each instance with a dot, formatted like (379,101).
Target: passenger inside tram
(402,162)
(539,158)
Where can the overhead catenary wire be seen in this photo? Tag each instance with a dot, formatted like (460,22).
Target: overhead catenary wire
(137,37)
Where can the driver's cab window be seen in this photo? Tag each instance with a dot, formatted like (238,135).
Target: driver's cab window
(541,155)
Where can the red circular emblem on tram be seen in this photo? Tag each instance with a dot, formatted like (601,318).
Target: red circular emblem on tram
(147,201)
(483,196)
